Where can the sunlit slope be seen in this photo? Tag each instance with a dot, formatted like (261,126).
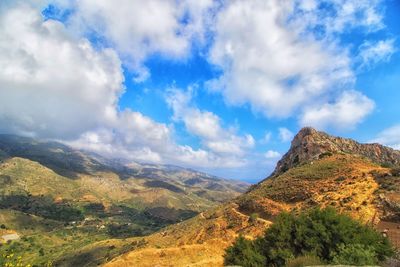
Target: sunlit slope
(351,183)
(67,205)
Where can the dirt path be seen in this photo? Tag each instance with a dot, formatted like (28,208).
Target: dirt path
(234,210)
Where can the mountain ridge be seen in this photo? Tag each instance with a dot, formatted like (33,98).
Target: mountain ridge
(309,144)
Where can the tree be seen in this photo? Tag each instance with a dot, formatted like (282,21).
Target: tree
(323,233)
(244,253)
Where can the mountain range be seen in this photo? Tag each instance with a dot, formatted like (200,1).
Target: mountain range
(58,198)
(78,209)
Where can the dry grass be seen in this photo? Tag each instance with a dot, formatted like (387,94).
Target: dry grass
(345,182)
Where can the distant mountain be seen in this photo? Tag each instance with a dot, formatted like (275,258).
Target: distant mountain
(362,180)
(58,198)
(70,162)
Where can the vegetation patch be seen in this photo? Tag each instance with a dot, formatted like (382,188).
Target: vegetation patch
(323,234)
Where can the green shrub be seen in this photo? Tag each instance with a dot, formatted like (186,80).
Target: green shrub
(386,165)
(325,154)
(253,217)
(244,253)
(323,233)
(355,254)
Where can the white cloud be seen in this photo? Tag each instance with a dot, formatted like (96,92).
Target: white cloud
(389,137)
(340,16)
(207,126)
(271,154)
(373,53)
(348,110)
(266,64)
(285,135)
(267,138)
(138,29)
(282,56)
(53,85)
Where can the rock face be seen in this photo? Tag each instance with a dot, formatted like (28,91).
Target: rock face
(310,144)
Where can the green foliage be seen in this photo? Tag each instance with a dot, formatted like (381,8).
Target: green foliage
(325,154)
(123,231)
(253,217)
(41,252)
(12,260)
(323,233)
(42,206)
(244,253)
(355,254)
(386,165)
(306,260)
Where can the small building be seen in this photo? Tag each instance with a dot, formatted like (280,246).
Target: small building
(10,237)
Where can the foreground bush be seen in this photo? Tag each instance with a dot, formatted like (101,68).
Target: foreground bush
(244,253)
(331,237)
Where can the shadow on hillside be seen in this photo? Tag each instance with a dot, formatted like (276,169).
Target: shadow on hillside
(42,206)
(96,256)
(59,158)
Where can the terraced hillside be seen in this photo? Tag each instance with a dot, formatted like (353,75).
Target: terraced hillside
(364,185)
(58,200)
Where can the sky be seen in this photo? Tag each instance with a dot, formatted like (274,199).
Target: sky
(217,86)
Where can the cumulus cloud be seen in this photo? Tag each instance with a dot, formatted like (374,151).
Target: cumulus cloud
(53,85)
(271,154)
(389,137)
(138,29)
(281,56)
(285,135)
(207,126)
(57,86)
(346,112)
(371,53)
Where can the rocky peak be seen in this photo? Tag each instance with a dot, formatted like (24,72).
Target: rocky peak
(310,144)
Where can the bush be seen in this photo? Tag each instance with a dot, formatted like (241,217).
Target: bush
(323,233)
(325,154)
(253,217)
(244,253)
(355,254)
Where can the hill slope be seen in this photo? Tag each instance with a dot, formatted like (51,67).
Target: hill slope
(59,199)
(318,170)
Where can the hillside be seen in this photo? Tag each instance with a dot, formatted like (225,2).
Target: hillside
(58,199)
(319,170)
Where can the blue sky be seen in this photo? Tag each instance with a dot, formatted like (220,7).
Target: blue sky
(218,86)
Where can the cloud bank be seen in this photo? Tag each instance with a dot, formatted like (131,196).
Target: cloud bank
(62,77)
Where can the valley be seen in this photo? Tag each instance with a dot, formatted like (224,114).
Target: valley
(59,200)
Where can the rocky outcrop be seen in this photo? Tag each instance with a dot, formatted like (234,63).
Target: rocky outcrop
(310,144)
